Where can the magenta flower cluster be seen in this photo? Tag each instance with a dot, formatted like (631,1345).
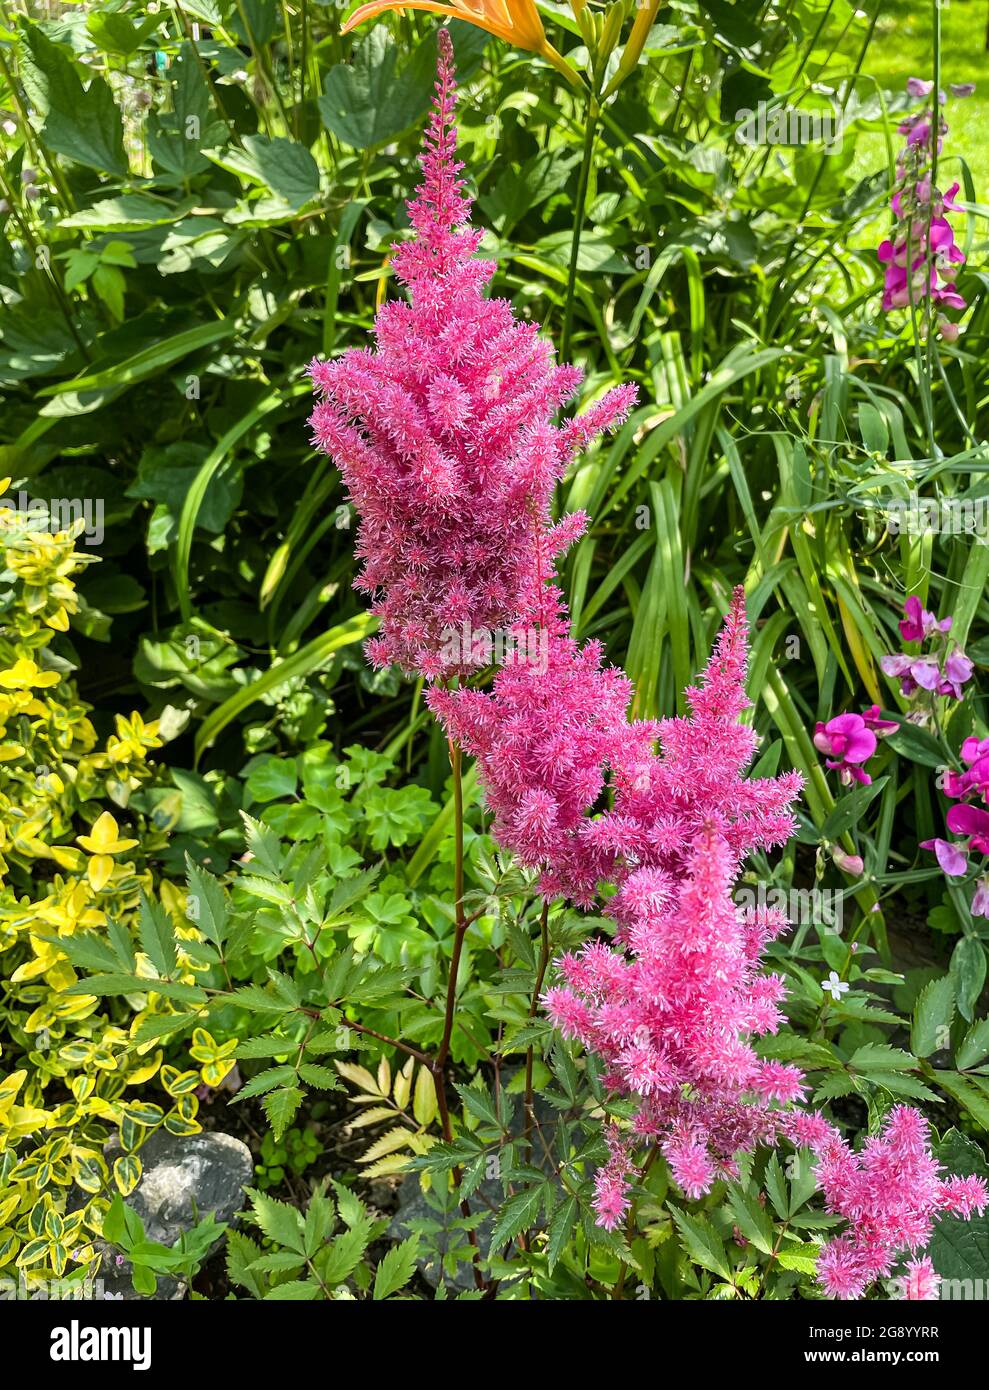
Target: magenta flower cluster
(968,820)
(445,440)
(850,740)
(942,670)
(921,256)
(890,1193)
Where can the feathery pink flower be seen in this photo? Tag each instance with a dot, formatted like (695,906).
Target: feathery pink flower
(890,1193)
(444,435)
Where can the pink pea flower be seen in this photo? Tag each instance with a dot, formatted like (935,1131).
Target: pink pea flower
(957,670)
(918,624)
(980,903)
(952,857)
(915,673)
(848,742)
(849,863)
(872,718)
(921,257)
(973,822)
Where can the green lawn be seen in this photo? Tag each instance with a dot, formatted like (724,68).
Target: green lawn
(903,47)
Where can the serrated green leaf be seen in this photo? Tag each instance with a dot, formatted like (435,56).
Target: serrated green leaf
(280,1222)
(281,1107)
(396,1268)
(932,1016)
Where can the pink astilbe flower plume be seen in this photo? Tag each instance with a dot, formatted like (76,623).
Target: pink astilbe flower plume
(890,1193)
(672,1008)
(444,435)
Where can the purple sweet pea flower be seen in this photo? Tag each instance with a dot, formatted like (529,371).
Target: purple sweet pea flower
(919,87)
(901,666)
(980,903)
(952,858)
(957,670)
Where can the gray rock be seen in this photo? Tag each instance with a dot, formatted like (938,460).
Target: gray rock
(183,1180)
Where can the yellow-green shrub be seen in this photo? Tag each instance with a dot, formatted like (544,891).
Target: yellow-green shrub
(69,1062)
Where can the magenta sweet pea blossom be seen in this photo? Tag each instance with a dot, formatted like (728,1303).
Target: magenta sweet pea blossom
(973,822)
(873,720)
(921,257)
(917,624)
(848,742)
(942,671)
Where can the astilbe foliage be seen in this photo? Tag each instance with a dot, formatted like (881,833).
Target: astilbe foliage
(444,435)
(445,438)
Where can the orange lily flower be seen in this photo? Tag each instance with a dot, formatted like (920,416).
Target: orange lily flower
(515,21)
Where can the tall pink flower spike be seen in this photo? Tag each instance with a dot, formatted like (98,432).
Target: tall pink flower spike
(445,440)
(444,435)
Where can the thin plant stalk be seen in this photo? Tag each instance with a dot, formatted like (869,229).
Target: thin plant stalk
(580,216)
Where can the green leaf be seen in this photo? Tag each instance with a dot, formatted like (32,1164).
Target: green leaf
(515,1215)
(260,1000)
(974,1046)
(283,166)
(157,936)
(266,1081)
(561,1226)
(479,1103)
(970,1091)
(81,123)
(281,1107)
(296,1290)
(850,809)
(369,101)
(154,1028)
(752,1219)
(194,498)
(776,1188)
(959,1248)
(396,1268)
(968,969)
(338,1260)
(702,1243)
(803,1260)
(321,1077)
(932,1017)
(241,1254)
(206,903)
(280,1222)
(881,1057)
(137,984)
(311,657)
(320,1216)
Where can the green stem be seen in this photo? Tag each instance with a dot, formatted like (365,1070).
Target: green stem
(580,214)
(529,1105)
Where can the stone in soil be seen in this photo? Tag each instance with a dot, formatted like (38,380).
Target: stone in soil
(183,1180)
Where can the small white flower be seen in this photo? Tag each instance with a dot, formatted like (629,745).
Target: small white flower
(835,987)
